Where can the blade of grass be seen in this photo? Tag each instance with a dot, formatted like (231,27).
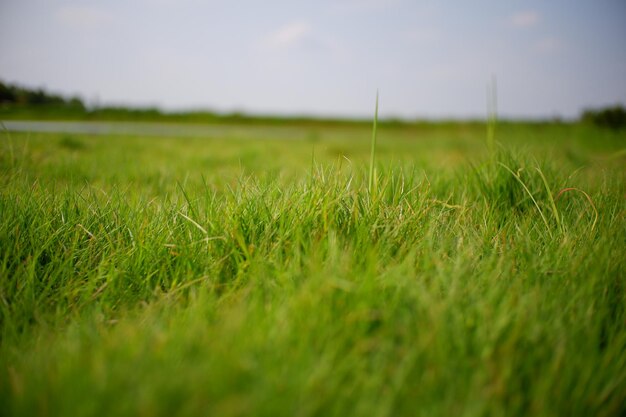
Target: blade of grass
(370,183)
(593,206)
(555,212)
(492,113)
(516,176)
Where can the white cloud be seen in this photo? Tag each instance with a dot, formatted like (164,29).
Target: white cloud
(289,35)
(525,19)
(83,17)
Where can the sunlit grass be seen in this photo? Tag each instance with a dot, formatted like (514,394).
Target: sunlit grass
(165,276)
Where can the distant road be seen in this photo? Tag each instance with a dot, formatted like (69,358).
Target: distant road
(156,129)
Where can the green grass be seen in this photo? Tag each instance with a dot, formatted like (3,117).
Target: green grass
(168,276)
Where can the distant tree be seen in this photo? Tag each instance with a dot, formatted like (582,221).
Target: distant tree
(611,117)
(7,93)
(76,103)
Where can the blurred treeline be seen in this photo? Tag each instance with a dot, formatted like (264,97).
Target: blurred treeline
(21,103)
(13,96)
(610,117)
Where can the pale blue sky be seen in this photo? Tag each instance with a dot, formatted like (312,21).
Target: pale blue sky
(427,58)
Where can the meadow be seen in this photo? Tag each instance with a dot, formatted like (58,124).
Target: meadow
(287,274)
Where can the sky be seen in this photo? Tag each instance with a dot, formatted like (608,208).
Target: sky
(427,59)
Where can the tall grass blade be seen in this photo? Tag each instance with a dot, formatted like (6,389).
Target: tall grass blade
(492,113)
(370,183)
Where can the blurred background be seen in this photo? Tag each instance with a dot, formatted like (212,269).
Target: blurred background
(429,60)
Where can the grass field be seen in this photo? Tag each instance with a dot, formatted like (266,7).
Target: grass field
(237,276)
